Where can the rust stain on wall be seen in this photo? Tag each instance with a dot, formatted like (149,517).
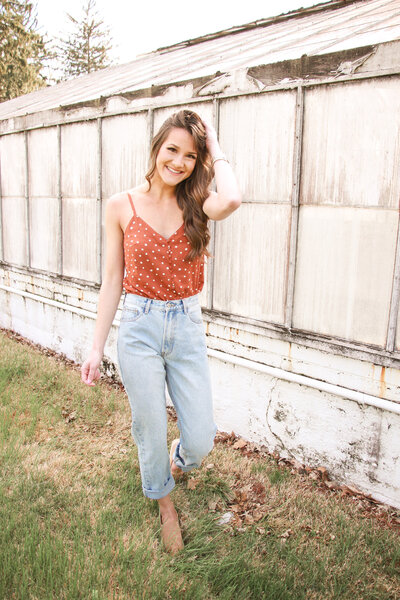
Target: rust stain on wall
(382,389)
(289,362)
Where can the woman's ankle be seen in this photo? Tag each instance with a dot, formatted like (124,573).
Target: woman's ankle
(167,508)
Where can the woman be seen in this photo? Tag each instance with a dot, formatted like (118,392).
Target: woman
(157,233)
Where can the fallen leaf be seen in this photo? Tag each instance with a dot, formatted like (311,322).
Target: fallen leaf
(68,416)
(258,488)
(331,484)
(241,496)
(212,505)
(193,483)
(259,491)
(248,519)
(259,514)
(351,489)
(286,534)
(298,465)
(239,444)
(323,473)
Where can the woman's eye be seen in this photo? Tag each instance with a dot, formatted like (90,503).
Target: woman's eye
(171,149)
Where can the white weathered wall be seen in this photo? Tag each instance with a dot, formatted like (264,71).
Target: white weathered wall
(44,202)
(13,190)
(358,444)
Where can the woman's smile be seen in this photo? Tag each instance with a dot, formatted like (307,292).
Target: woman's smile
(174,171)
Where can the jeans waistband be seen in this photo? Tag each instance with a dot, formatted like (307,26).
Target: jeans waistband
(183,304)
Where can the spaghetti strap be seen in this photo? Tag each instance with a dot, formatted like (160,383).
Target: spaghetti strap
(132,205)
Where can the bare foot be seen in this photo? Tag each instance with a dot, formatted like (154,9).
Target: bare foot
(171,535)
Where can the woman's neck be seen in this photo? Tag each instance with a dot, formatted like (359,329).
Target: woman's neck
(160,190)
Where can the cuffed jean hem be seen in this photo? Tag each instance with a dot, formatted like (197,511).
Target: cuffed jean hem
(154,495)
(187,469)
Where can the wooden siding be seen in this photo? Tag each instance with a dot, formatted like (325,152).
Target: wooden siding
(43,196)
(13,192)
(14,230)
(13,167)
(43,163)
(124,155)
(251,262)
(79,238)
(344,272)
(79,160)
(44,232)
(351,144)
(257,134)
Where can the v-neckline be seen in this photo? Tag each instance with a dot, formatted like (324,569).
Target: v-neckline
(157,233)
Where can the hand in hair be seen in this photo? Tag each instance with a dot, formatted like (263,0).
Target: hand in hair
(212,138)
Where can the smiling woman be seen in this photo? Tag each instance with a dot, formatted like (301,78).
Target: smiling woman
(157,235)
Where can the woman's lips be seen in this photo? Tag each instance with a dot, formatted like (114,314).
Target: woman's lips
(173,171)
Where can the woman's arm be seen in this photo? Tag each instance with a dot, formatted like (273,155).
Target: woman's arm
(227,198)
(110,291)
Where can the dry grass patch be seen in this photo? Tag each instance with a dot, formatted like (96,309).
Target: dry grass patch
(74,522)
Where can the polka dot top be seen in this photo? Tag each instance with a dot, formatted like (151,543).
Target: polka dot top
(155,267)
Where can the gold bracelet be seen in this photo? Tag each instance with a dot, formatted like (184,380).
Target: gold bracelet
(223,157)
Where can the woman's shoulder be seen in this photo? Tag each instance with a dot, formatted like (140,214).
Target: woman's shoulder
(122,198)
(118,199)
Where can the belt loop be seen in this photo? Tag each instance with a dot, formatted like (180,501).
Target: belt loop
(147,306)
(185,305)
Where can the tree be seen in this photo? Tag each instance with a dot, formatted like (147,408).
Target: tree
(86,49)
(22,49)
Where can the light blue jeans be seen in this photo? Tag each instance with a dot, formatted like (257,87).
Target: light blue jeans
(163,343)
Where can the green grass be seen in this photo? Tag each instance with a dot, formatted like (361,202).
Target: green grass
(74,523)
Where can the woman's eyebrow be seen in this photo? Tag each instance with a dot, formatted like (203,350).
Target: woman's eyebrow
(189,151)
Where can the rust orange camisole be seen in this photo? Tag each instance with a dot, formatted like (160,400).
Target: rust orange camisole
(155,267)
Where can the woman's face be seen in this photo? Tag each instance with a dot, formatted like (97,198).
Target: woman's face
(177,156)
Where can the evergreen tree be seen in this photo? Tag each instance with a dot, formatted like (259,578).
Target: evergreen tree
(22,49)
(86,49)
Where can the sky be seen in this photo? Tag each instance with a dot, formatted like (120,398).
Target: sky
(139,27)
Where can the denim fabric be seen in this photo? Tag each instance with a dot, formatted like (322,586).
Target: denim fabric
(163,343)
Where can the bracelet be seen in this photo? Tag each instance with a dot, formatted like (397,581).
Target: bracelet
(222,157)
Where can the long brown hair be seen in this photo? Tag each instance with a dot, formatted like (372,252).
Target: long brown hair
(193,191)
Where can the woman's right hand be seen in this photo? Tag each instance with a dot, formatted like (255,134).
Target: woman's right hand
(90,369)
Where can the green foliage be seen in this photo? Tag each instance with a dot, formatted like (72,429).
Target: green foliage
(87,47)
(22,49)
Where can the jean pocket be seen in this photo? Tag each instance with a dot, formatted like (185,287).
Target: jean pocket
(131,313)
(195,315)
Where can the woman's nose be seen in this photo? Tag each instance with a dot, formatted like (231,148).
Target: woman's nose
(179,160)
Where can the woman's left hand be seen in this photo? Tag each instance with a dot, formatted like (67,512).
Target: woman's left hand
(212,138)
